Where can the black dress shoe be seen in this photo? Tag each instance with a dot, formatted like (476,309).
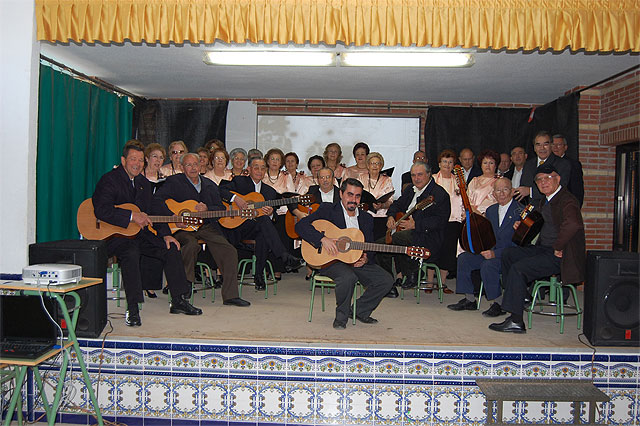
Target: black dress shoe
(366,320)
(411,281)
(463,305)
(259,282)
(165,290)
(292,263)
(180,305)
(151,294)
(132,318)
(339,325)
(509,326)
(217,283)
(495,310)
(236,301)
(393,293)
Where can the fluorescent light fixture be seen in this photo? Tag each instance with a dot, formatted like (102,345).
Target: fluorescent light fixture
(406,59)
(286,59)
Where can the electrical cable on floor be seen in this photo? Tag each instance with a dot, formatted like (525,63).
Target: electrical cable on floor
(593,370)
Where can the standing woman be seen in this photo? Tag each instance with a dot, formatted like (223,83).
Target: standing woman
(378,185)
(220,159)
(176,150)
(332,156)
(238,162)
(447,259)
(480,188)
(298,181)
(360,152)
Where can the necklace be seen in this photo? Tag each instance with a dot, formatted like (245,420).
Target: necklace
(375,184)
(273,180)
(294,177)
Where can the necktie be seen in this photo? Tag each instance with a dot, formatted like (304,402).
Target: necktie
(541,163)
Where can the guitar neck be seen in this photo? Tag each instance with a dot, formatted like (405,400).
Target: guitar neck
(279,202)
(385,248)
(216,213)
(165,219)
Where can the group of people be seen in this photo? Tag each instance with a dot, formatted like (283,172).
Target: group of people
(494,184)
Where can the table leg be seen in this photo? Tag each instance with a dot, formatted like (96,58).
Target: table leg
(576,412)
(17,393)
(592,412)
(45,403)
(499,415)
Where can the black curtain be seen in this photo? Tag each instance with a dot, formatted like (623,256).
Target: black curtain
(192,121)
(499,129)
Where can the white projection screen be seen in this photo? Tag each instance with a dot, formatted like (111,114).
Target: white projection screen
(396,138)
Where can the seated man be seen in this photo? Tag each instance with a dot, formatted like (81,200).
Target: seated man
(424,228)
(191,186)
(560,248)
(376,281)
(261,229)
(125,184)
(503,216)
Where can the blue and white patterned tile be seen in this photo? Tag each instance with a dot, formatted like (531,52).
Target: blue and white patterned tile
(271,365)
(271,402)
(157,360)
(331,367)
(243,400)
(474,369)
(536,369)
(128,359)
(157,395)
(330,403)
(359,403)
(418,368)
(565,370)
(623,369)
(214,363)
(473,406)
(388,409)
(105,393)
(447,403)
(532,411)
(361,368)
(301,403)
(595,368)
(214,399)
(297,366)
(621,406)
(636,406)
(561,412)
(243,364)
(448,370)
(96,357)
(417,404)
(185,392)
(391,368)
(129,395)
(186,360)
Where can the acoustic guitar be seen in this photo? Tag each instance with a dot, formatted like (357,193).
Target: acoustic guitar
(531,222)
(256,201)
(427,202)
(188,209)
(290,219)
(351,244)
(93,228)
(477,233)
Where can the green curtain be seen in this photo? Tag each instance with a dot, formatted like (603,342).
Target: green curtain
(81,132)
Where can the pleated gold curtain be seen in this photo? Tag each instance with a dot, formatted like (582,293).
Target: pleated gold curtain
(592,25)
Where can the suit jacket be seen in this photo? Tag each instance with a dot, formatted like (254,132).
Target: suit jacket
(529,173)
(503,232)
(430,223)
(475,171)
(179,188)
(333,213)
(509,173)
(567,217)
(114,188)
(315,191)
(576,181)
(243,185)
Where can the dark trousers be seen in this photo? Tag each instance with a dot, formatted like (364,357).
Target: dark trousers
(266,236)
(489,271)
(404,263)
(520,265)
(376,281)
(223,253)
(128,252)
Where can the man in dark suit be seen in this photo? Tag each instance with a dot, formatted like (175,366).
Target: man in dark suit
(542,148)
(505,168)
(469,165)
(424,228)
(261,229)
(560,248)
(191,186)
(576,181)
(406,176)
(325,191)
(376,281)
(503,216)
(125,184)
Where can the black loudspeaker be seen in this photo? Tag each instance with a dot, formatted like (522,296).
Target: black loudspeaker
(611,299)
(92,256)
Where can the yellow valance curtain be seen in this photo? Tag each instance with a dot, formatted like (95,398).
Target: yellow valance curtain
(592,25)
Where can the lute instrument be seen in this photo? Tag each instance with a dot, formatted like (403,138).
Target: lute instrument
(351,244)
(256,201)
(93,228)
(427,202)
(477,233)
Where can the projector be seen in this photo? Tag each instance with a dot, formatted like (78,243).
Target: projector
(51,274)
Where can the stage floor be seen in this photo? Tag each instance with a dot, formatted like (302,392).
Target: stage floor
(282,319)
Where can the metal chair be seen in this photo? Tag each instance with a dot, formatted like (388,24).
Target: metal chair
(423,284)
(556,301)
(323,282)
(250,263)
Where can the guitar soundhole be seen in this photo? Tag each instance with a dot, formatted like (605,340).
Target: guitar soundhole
(343,244)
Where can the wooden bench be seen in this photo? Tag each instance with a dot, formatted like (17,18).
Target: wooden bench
(556,390)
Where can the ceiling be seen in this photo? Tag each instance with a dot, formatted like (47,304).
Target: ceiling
(170,71)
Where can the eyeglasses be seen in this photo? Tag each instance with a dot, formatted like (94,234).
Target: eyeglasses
(178,152)
(541,178)
(374,163)
(505,190)
(539,144)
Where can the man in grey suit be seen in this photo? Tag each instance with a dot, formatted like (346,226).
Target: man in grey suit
(544,155)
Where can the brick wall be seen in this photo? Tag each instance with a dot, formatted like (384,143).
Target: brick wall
(609,115)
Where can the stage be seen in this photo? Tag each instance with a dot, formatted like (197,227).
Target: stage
(267,364)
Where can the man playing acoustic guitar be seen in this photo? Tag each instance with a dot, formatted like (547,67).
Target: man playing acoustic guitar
(125,184)
(376,280)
